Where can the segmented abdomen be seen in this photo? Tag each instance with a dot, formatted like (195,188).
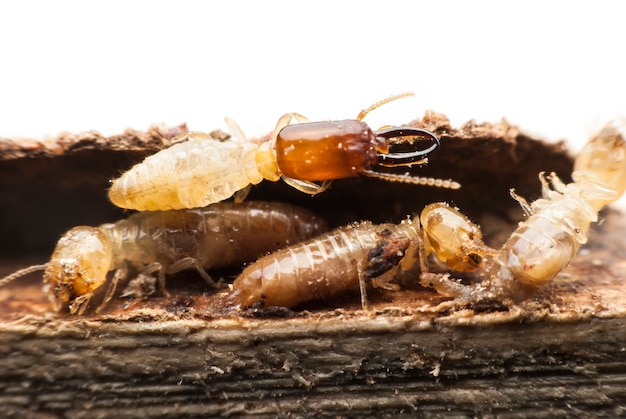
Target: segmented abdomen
(220,235)
(542,246)
(192,174)
(316,269)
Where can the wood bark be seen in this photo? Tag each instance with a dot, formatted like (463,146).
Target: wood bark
(562,353)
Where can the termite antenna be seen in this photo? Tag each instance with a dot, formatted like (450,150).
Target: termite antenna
(380,103)
(414,180)
(22,272)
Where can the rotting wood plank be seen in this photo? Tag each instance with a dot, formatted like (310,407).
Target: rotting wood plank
(563,353)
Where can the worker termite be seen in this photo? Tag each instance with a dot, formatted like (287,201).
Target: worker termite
(350,256)
(200,171)
(221,235)
(558,224)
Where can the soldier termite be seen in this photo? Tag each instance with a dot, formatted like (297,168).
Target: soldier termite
(558,224)
(350,256)
(167,242)
(200,171)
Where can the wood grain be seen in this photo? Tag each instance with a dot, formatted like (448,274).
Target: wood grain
(562,353)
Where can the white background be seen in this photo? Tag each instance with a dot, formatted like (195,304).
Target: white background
(556,69)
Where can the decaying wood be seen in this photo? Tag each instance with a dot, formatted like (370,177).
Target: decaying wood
(560,354)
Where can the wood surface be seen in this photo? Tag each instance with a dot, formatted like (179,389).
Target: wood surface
(560,354)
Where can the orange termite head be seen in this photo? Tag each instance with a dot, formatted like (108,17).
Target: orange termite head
(78,266)
(330,150)
(318,151)
(324,151)
(453,238)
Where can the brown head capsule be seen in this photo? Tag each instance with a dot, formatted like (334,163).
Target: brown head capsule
(318,151)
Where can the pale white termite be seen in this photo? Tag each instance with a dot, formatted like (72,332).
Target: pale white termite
(558,224)
(202,171)
(353,255)
(220,235)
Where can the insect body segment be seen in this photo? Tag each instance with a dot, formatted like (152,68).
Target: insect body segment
(202,171)
(350,256)
(337,261)
(190,174)
(540,248)
(600,167)
(167,242)
(545,243)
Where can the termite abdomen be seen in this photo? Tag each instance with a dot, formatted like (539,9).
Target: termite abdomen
(323,267)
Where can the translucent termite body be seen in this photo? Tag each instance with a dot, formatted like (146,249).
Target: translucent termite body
(540,248)
(323,267)
(351,256)
(558,224)
(167,242)
(202,171)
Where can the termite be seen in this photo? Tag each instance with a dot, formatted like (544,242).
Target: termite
(558,224)
(351,256)
(167,242)
(201,171)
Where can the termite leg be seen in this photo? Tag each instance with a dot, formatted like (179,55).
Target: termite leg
(181,265)
(178,139)
(444,285)
(80,304)
(557,183)
(384,281)
(416,254)
(363,284)
(285,120)
(522,202)
(189,262)
(306,186)
(157,267)
(120,274)
(242,194)
(237,134)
